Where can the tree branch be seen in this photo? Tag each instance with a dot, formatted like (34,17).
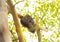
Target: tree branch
(16,21)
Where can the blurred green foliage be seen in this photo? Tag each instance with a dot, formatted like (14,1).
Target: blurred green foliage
(41,10)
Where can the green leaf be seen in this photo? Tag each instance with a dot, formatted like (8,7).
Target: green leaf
(14,0)
(26,5)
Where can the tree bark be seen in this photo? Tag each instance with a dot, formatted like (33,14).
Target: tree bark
(16,21)
(4,30)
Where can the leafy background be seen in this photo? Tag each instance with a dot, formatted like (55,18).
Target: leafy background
(41,10)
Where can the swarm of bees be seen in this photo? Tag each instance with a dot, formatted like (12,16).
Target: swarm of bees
(28,21)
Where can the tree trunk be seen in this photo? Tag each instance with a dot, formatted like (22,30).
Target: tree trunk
(4,30)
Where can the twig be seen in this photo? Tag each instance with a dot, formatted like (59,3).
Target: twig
(44,22)
(18,2)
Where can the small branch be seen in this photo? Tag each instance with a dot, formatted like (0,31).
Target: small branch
(18,2)
(44,24)
(39,35)
(38,32)
(51,40)
(20,16)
